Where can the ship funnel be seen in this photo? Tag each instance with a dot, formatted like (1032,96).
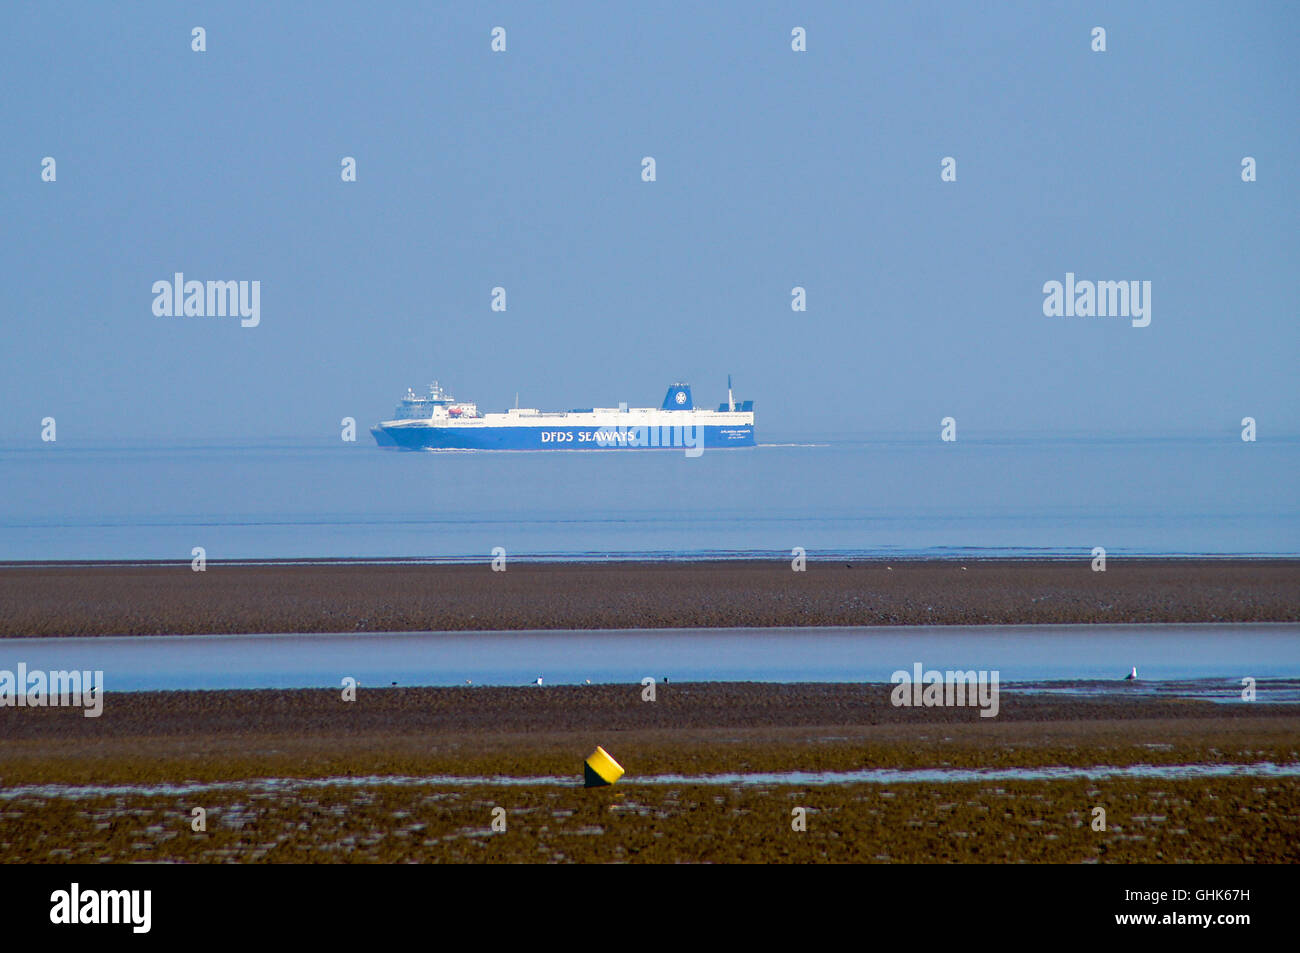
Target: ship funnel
(678,398)
(731,401)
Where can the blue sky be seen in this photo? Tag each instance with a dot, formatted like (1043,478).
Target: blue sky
(774,169)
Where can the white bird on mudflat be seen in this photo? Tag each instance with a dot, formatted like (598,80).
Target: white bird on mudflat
(1132,676)
(538,681)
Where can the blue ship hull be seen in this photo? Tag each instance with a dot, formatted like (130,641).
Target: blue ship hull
(538,438)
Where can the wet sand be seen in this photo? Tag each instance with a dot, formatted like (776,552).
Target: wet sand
(109,599)
(700,728)
(691,729)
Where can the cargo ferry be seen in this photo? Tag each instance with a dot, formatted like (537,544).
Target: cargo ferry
(440,422)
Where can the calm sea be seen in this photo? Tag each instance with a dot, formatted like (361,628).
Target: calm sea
(895,497)
(1205,660)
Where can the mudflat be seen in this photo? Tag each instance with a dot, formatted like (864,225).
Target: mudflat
(157,599)
(303,775)
(377,763)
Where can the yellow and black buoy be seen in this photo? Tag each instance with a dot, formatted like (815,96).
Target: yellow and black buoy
(600,769)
